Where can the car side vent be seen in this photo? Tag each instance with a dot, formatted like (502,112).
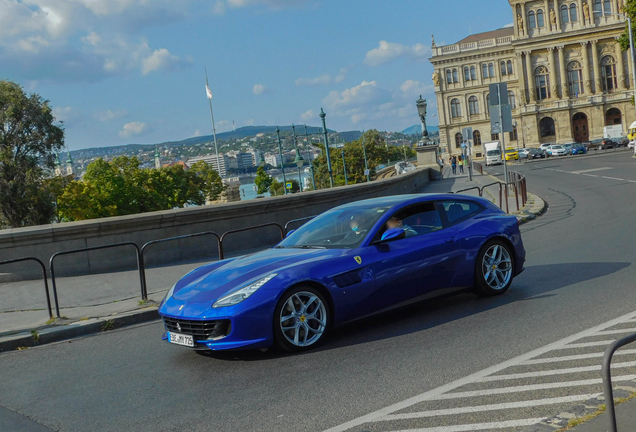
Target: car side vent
(348,279)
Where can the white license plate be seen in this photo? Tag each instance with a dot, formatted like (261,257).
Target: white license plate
(180,339)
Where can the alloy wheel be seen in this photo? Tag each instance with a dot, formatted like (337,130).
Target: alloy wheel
(497,267)
(303,319)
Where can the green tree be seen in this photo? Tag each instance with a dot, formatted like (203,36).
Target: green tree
(29,139)
(630,11)
(263,181)
(278,188)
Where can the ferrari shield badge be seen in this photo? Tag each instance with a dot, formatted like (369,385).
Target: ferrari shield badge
(358,259)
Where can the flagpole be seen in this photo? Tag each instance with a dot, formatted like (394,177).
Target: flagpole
(216,147)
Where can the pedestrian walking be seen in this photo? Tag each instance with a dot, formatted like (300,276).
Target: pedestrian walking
(461,164)
(440,162)
(453,162)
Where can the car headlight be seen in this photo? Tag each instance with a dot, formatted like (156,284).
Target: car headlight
(240,295)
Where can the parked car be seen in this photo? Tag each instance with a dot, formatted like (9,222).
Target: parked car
(621,142)
(557,150)
(536,153)
(345,264)
(607,144)
(596,144)
(578,149)
(568,147)
(631,144)
(511,154)
(523,153)
(544,147)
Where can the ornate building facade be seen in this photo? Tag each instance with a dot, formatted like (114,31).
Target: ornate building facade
(567,75)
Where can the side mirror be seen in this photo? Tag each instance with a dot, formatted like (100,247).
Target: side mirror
(290,233)
(392,235)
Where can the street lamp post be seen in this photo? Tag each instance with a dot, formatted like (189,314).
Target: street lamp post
(299,161)
(311,164)
(344,168)
(421,110)
(324,130)
(366,165)
(282,164)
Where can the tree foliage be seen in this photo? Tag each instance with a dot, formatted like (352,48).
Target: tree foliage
(121,187)
(630,10)
(29,139)
(263,181)
(278,188)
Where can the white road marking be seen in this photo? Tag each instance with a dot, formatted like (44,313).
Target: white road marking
(619,331)
(530,387)
(612,178)
(477,426)
(574,357)
(554,372)
(591,170)
(436,393)
(588,344)
(590,175)
(482,408)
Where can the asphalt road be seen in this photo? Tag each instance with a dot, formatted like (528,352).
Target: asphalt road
(579,275)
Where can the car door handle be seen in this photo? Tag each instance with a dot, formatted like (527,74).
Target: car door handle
(450,240)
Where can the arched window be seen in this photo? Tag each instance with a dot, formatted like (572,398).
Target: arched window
(456,108)
(473,105)
(449,77)
(597,8)
(573,14)
(476,138)
(484,70)
(455,76)
(509,65)
(512,101)
(539,18)
(466,73)
(607,7)
(491,70)
(473,73)
(513,135)
(575,79)
(608,74)
(458,140)
(503,68)
(546,126)
(532,22)
(565,16)
(542,82)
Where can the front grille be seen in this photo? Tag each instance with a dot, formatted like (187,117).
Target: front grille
(201,330)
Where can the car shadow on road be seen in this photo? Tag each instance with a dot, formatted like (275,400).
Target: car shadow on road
(534,283)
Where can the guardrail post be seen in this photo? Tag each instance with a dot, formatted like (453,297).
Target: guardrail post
(607,377)
(44,276)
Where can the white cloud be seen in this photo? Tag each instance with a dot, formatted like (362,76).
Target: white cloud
(259,89)
(111,115)
(365,93)
(308,115)
(133,129)
(63,114)
(323,80)
(160,59)
(412,88)
(387,51)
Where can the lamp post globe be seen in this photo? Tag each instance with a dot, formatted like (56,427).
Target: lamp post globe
(299,161)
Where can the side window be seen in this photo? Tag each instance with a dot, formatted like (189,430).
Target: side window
(416,220)
(458,211)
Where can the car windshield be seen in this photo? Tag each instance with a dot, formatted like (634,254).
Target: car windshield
(341,228)
(557,147)
(493,153)
(510,150)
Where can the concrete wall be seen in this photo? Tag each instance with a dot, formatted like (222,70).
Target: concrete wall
(43,241)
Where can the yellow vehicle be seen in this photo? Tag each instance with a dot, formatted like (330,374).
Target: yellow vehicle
(631,133)
(511,154)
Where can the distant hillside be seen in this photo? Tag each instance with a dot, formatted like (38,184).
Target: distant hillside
(417,130)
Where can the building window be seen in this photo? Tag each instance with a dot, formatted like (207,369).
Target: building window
(565,16)
(575,79)
(532,22)
(542,82)
(491,70)
(473,73)
(546,126)
(607,7)
(494,137)
(503,68)
(513,134)
(488,104)
(466,74)
(539,18)
(455,76)
(597,8)
(456,109)
(512,101)
(573,14)
(509,65)
(608,74)
(476,138)
(473,105)
(484,70)
(458,140)
(449,77)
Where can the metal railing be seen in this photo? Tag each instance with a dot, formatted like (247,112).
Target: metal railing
(93,248)
(46,281)
(142,261)
(293,221)
(518,183)
(225,234)
(607,377)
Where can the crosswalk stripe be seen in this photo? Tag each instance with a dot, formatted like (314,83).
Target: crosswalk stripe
(530,387)
(477,426)
(482,408)
(613,178)
(591,170)
(587,344)
(554,372)
(619,331)
(573,357)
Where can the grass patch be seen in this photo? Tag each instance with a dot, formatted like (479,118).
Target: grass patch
(22,348)
(84,319)
(51,321)
(600,410)
(142,302)
(108,325)
(35,335)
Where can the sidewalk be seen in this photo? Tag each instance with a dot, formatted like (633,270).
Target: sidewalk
(625,420)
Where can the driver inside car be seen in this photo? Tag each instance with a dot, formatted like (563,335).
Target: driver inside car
(395,222)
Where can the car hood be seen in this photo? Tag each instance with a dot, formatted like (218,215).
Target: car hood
(237,273)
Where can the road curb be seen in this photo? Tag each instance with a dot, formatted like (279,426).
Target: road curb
(58,333)
(534,208)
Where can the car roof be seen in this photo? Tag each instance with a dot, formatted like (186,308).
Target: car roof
(399,200)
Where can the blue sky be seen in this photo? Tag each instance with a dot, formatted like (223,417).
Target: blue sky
(132,71)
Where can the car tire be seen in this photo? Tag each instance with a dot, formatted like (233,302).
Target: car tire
(301,319)
(495,253)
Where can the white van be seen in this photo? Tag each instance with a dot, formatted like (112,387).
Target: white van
(493,153)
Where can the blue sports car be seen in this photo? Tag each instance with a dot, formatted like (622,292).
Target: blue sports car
(350,262)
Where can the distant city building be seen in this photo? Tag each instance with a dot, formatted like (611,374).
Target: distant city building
(245,160)
(70,171)
(273,160)
(256,157)
(157,158)
(58,166)
(211,160)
